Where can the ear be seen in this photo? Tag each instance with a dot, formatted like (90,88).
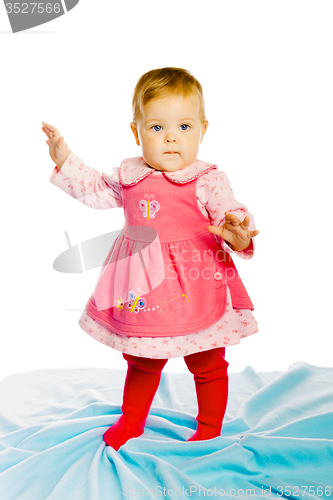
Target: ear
(134,129)
(204,128)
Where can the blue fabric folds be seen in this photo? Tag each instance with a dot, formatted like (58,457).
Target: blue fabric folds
(277,438)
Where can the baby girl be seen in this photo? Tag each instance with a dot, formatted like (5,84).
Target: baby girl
(168,287)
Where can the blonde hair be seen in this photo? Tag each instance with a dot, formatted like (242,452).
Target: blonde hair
(159,83)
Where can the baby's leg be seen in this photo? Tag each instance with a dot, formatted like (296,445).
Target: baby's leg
(211,383)
(142,381)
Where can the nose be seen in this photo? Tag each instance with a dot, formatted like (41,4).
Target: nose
(170,137)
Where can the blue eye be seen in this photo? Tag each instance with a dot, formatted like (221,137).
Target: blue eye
(157,128)
(184,126)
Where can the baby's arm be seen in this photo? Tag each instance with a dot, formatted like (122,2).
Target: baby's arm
(79,181)
(233,223)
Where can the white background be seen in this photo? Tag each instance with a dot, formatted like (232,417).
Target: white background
(266,70)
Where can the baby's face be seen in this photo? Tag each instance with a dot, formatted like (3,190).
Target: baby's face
(170,132)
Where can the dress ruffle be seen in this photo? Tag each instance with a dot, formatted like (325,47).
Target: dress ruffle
(234,325)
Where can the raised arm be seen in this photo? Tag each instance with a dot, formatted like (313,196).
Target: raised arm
(86,184)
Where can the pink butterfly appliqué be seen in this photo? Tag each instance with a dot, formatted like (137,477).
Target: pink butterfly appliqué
(136,303)
(148,207)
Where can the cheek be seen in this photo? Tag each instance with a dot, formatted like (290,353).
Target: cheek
(194,143)
(150,142)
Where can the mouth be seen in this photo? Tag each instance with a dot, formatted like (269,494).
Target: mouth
(171,153)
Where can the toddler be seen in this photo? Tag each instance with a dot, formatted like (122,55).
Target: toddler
(168,287)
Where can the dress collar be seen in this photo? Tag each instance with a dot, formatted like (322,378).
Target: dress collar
(133,170)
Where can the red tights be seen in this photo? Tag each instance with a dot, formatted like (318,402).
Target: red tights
(142,380)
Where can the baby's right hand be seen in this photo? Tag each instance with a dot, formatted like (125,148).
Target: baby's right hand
(58,149)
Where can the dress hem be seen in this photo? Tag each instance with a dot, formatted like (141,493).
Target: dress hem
(102,338)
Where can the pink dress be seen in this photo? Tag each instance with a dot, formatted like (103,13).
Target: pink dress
(212,196)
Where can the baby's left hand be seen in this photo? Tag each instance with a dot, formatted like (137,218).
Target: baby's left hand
(235,231)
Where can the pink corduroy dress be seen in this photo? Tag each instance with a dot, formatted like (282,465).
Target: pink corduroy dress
(167,288)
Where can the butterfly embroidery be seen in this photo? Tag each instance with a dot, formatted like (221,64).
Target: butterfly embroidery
(148,207)
(136,302)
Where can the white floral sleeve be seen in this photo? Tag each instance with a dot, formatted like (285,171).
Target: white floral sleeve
(216,197)
(95,190)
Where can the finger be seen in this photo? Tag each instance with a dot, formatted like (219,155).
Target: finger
(246,222)
(49,126)
(215,230)
(252,234)
(51,131)
(46,131)
(234,220)
(228,217)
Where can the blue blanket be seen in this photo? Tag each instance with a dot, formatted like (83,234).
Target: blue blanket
(277,438)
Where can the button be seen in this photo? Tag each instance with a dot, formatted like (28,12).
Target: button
(210,251)
(218,276)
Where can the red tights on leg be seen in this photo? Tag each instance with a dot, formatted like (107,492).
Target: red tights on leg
(141,383)
(211,384)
